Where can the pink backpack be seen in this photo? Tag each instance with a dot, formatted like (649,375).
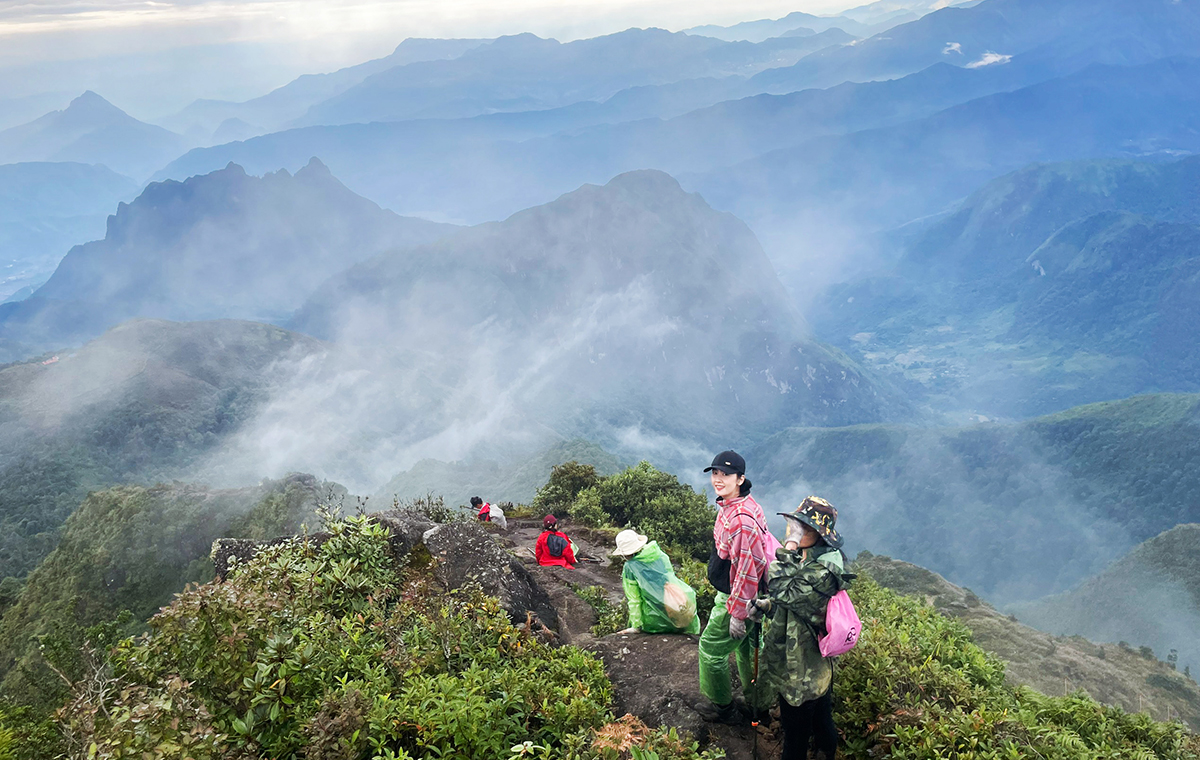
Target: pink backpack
(842,624)
(770,544)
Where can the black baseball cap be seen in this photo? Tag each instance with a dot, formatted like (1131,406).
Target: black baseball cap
(728,462)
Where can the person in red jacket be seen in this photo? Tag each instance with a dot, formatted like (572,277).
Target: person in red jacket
(553,547)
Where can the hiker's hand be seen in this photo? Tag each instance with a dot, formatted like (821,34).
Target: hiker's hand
(630,630)
(737,629)
(758,608)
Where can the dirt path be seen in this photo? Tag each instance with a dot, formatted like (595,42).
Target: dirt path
(653,676)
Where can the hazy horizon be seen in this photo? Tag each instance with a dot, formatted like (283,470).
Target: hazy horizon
(152,59)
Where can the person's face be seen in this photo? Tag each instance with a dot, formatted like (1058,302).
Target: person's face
(726,486)
(800,536)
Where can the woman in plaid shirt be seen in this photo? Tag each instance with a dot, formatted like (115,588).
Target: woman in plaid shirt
(736,568)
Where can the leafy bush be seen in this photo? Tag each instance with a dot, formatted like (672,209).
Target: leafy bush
(431,508)
(917,687)
(587,510)
(610,617)
(560,491)
(653,502)
(336,652)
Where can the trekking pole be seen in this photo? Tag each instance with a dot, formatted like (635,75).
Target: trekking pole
(754,720)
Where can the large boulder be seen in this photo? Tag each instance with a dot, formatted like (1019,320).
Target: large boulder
(468,557)
(406,529)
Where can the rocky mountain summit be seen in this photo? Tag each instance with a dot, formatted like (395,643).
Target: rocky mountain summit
(654,676)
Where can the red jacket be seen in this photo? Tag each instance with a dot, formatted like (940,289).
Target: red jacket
(543,553)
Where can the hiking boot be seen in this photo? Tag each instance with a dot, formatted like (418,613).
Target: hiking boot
(728,714)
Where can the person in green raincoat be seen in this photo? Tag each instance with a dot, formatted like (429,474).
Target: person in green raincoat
(806,573)
(658,601)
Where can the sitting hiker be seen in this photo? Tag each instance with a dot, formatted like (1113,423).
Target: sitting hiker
(808,570)
(489,512)
(553,547)
(658,601)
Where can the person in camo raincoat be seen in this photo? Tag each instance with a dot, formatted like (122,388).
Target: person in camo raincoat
(807,571)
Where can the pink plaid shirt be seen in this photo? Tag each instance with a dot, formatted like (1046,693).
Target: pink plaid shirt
(738,536)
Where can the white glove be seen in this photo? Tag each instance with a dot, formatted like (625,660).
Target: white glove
(737,629)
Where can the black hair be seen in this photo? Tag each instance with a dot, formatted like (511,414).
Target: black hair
(476,501)
(744,488)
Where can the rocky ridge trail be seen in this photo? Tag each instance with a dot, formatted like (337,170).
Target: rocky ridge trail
(654,677)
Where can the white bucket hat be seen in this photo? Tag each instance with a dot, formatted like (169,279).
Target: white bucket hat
(628,542)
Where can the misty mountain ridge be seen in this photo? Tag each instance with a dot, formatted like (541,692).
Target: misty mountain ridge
(1056,285)
(764,29)
(206,118)
(559,302)
(1151,596)
(92,131)
(1052,664)
(146,401)
(525,72)
(880,178)
(993,31)
(533,156)
(1057,489)
(221,245)
(45,208)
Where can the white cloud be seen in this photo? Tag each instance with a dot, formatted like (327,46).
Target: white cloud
(989,58)
(952,47)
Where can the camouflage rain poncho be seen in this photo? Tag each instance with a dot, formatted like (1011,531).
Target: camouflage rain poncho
(792,665)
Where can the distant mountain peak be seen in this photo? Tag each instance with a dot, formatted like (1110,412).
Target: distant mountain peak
(646,181)
(93,104)
(315,168)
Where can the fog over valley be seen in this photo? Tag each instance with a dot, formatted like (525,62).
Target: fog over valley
(937,263)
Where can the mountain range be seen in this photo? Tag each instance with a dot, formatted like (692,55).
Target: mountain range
(144,402)
(1016,511)
(797,21)
(45,208)
(584,309)
(222,245)
(203,120)
(92,131)
(526,73)
(1150,596)
(992,32)
(1057,285)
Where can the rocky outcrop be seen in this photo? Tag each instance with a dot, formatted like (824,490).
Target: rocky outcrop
(468,557)
(465,556)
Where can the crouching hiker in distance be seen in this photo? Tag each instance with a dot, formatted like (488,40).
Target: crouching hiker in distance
(737,566)
(658,601)
(797,648)
(489,512)
(553,548)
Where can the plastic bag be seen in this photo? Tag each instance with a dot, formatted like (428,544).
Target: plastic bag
(668,604)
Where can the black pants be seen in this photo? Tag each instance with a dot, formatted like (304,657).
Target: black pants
(811,720)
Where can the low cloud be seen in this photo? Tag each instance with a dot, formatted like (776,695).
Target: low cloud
(953,47)
(989,59)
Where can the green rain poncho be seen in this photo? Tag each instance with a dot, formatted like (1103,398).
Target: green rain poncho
(658,601)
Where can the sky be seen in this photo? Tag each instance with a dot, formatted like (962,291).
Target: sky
(152,57)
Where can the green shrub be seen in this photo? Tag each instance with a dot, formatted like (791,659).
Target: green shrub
(917,687)
(587,510)
(610,617)
(330,651)
(565,483)
(431,508)
(652,502)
